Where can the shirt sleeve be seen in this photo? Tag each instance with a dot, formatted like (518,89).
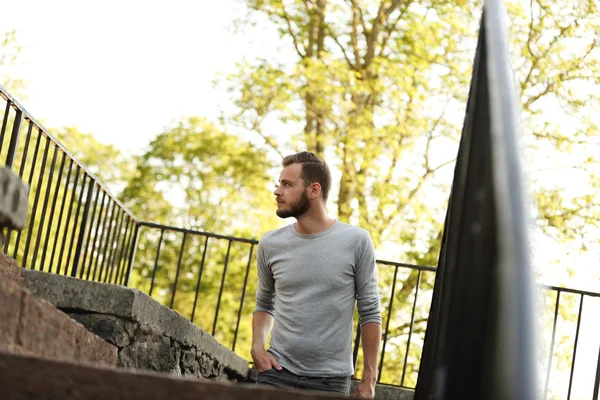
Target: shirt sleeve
(265,293)
(367,288)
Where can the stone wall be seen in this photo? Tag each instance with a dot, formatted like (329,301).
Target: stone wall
(148,335)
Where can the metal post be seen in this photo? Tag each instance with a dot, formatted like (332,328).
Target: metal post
(81,239)
(14,139)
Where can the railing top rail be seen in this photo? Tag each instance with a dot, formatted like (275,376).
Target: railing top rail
(26,115)
(406,265)
(570,290)
(196,232)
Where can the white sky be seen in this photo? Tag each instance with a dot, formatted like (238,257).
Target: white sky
(123,70)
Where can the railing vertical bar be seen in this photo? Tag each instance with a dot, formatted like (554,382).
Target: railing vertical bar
(41,224)
(14,139)
(127,251)
(239,317)
(29,181)
(67,224)
(102,245)
(83,226)
(178,270)
(160,240)
(387,324)
(356,347)
(134,244)
(97,241)
(552,344)
(121,250)
(214,329)
(54,200)
(200,272)
(89,238)
(115,248)
(60,216)
(597,383)
(75,221)
(113,229)
(126,239)
(36,200)
(4,123)
(412,325)
(21,171)
(575,346)
(107,239)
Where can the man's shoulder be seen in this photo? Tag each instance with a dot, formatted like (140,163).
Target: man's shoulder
(354,231)
(274,234)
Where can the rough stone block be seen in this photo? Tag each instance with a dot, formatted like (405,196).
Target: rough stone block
(45,331)
(10,311)
(9,270)
(13,199)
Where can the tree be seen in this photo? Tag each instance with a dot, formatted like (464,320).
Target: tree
(379,87)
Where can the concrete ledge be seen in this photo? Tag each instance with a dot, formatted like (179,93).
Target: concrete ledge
(24,378)
(136,323)
(34,327)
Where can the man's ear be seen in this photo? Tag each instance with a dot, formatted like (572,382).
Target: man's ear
(314,190)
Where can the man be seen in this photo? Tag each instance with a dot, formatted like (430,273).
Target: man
(309,276)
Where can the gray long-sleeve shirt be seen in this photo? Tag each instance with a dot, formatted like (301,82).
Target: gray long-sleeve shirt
(309,284)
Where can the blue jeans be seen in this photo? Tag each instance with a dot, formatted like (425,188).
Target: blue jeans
(288,380)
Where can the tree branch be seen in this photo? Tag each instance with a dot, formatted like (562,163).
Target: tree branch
(268,141)
(291,30)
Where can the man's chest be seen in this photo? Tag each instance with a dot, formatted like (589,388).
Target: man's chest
(310,268)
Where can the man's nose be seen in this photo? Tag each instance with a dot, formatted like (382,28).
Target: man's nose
(276,192)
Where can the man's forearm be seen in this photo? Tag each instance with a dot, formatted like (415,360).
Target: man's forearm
(262,323)
(371,338)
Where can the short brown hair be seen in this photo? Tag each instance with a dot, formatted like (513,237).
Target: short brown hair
(314,169)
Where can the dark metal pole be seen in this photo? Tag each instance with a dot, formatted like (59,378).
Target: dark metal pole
(199,278)
(60,216)
(412,325)
(160,240)
(239,317)
(41,224)
(21,170)
(82,229)
(178,270)
(29,181)
(14,139)
(387,324)
(134,244)
(38,191)
(575,346)
(49,230)
(214,329)
(552,344)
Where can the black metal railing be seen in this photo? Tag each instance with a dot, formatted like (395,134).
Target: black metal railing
(572,320)
(76,227)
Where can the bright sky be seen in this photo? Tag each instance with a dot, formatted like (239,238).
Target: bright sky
(123,70)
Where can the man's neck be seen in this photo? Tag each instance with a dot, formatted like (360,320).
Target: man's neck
(314,221)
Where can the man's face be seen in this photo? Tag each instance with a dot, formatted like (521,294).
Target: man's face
(291,194)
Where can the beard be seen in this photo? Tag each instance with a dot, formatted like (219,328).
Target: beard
(297,209)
